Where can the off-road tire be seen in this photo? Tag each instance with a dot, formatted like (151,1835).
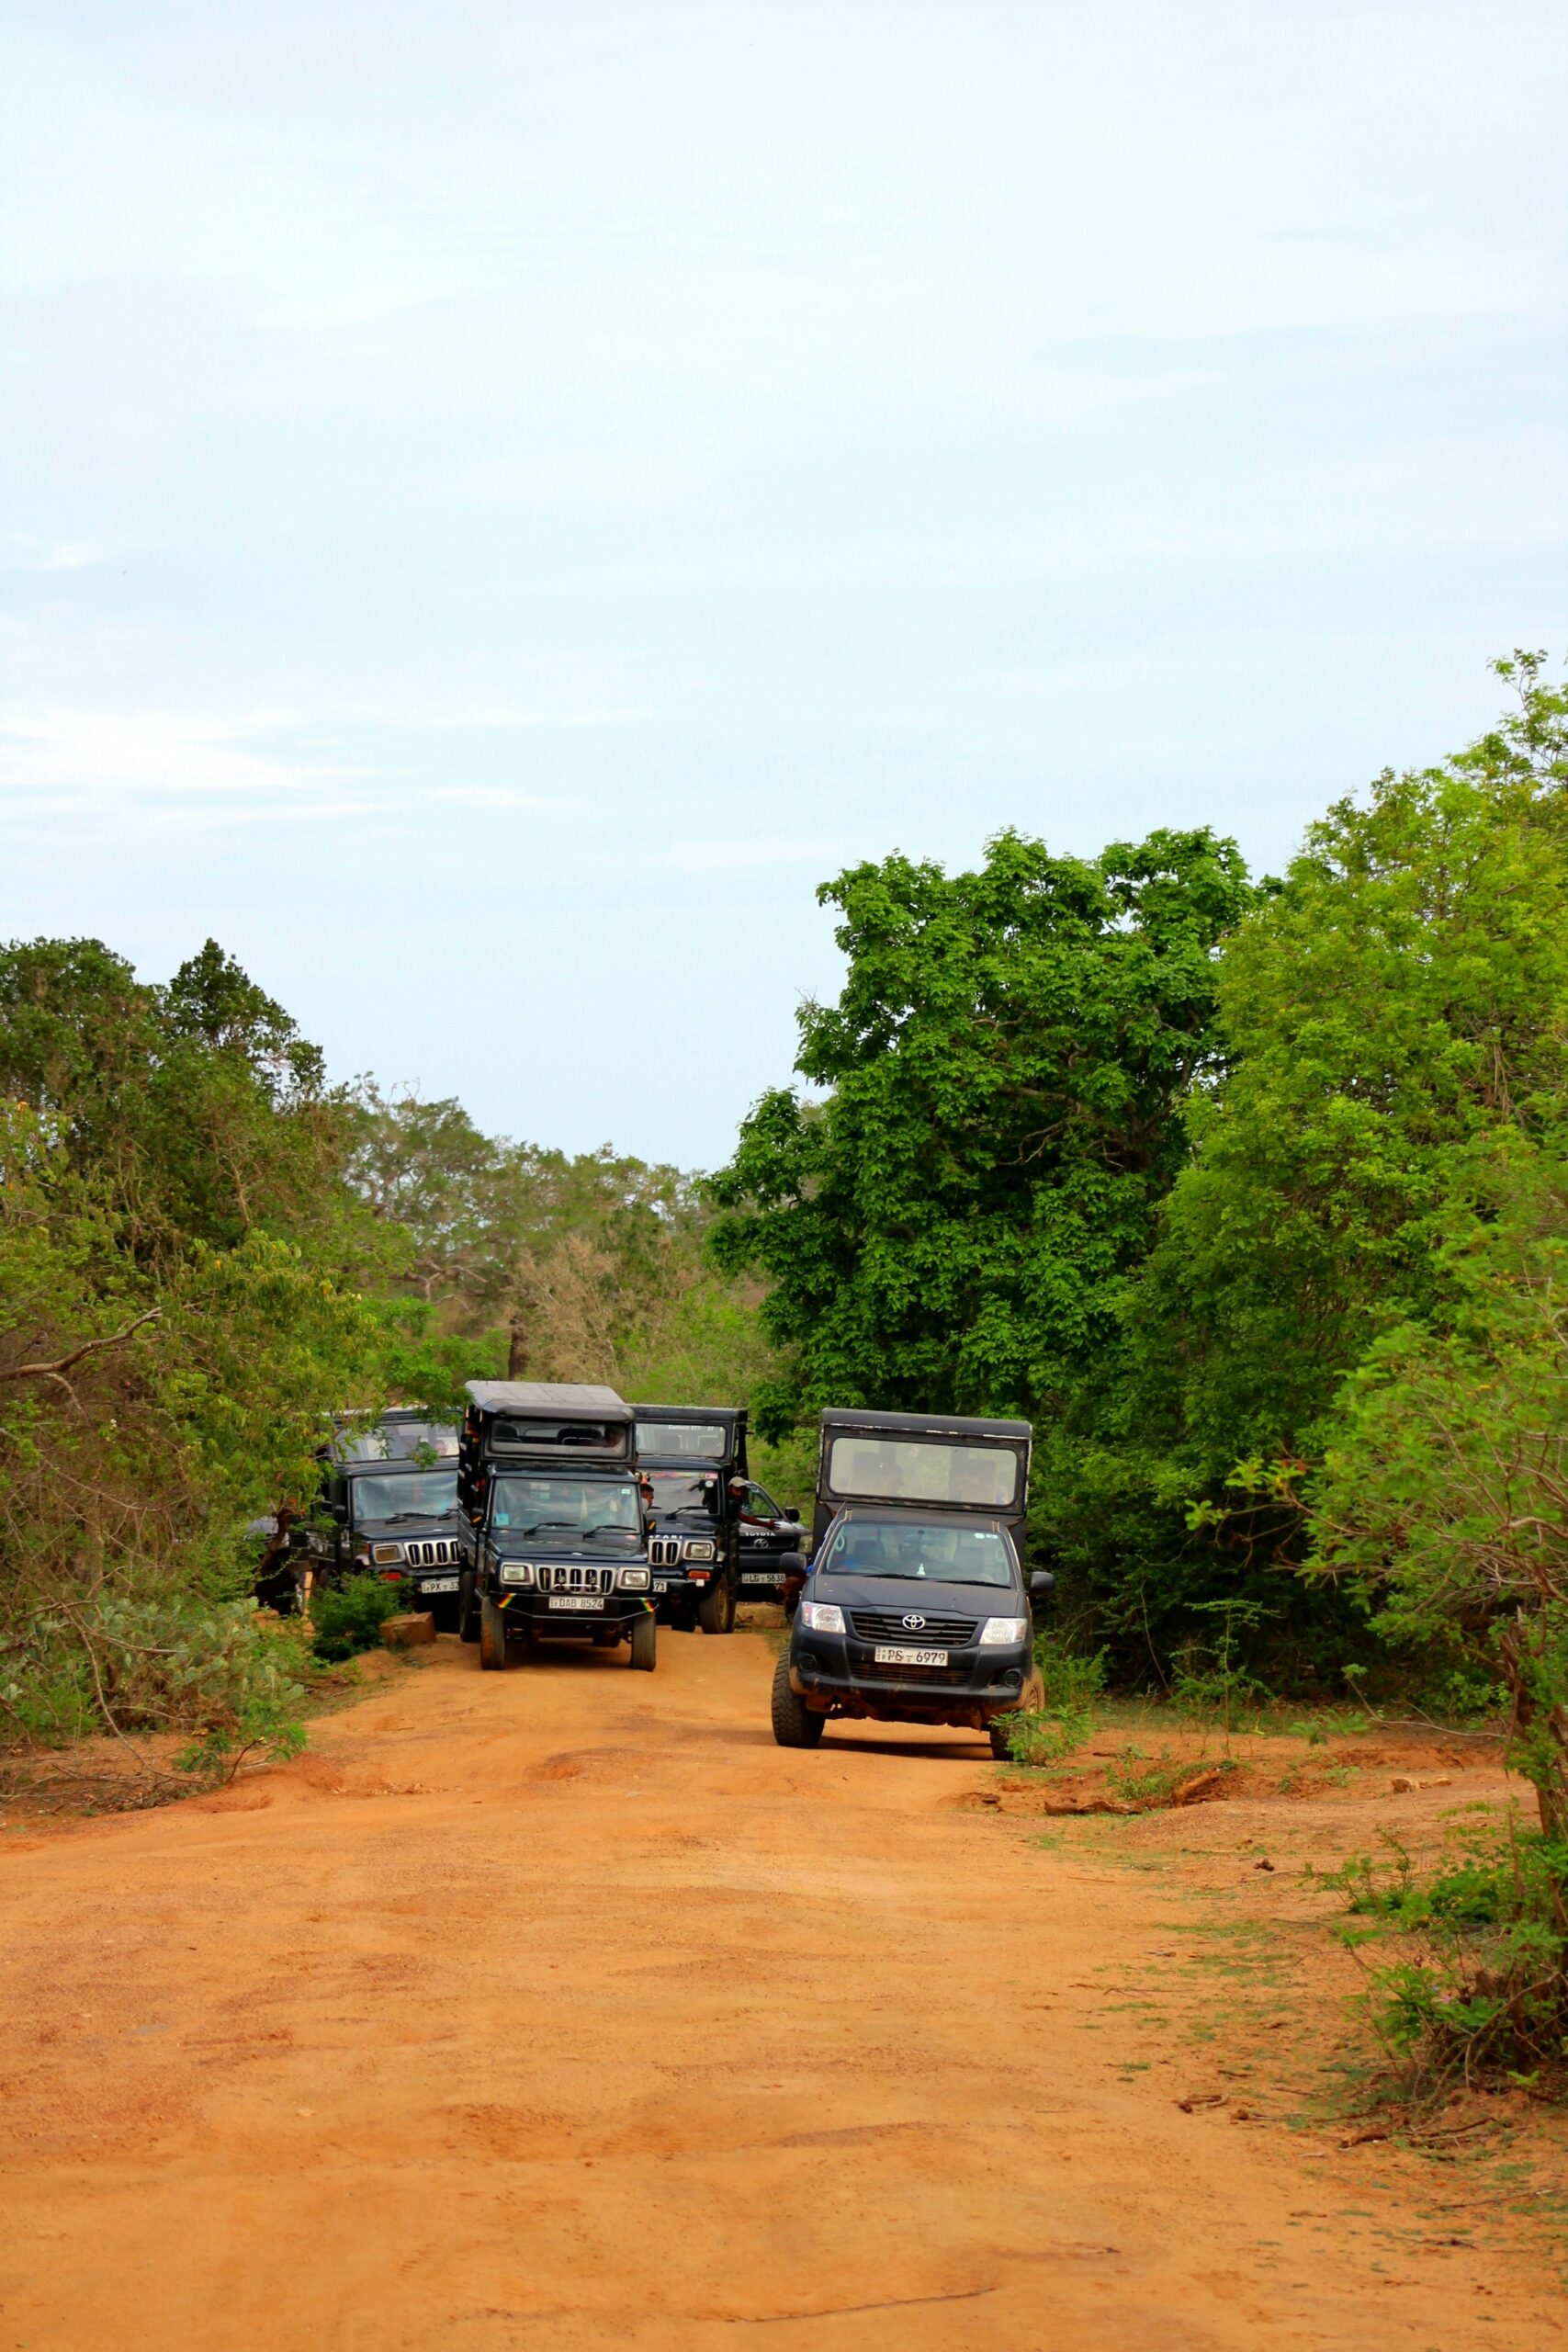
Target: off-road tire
(645,1642)
(715,1609)
(492,1637)
(607,1637)
(468,1614)
(997,1732)
(794,1724)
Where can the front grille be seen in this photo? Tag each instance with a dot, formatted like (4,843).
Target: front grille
(891,1625)
(664,1550)
(433,1552)
(558,1577)
(866,1670)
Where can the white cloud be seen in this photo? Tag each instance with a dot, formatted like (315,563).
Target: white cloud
(141,754)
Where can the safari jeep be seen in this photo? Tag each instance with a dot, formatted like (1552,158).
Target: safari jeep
(555,1530)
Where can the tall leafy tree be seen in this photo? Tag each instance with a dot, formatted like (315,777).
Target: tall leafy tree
(952,1224)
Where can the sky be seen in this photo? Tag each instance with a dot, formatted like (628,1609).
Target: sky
(501,501)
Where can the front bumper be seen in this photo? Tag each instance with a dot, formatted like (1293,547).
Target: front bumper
(546,1614)
(839,1674)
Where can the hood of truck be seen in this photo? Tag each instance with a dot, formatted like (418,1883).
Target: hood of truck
(555,1547)
(406,1531)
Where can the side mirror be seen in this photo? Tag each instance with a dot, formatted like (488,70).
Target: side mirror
(1041,1583)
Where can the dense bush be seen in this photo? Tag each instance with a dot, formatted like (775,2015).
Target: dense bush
(348,1618)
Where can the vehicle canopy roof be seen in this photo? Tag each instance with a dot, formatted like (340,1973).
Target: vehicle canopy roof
(673,1436)
(557,1399)
(404,1433)
(937,1463)
(538,1421)
(856,1417)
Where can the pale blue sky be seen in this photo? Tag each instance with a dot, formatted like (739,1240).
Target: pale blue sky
(501,500)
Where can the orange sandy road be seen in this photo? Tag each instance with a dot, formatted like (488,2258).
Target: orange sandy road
(565,2010)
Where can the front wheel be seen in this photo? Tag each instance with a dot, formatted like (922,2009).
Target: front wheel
(645,1641)
(467,1615)
(794,1724)
(492,1637)
(715,1609)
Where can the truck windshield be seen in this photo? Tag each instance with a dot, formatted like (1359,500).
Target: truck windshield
(411,1494)
(685,1490)
(923,1470)
(577,1507)
(871,1548)
(672,1440)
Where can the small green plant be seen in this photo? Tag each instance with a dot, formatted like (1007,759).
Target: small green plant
(1211,1680)
(1071,1685)
(1153,1785)
(348,1617)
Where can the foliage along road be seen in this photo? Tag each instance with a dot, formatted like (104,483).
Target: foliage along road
(567,2010)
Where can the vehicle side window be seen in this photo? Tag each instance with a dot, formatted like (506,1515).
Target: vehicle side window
(760,1504)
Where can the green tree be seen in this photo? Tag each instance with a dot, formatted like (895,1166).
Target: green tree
(1403,995)
(1445,1492)
(952,1226)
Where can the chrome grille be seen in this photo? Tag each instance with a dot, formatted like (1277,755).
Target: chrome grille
(893,1625)
(558,1576)
(432,1552)
(664,1550)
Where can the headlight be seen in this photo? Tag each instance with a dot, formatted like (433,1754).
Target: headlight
(697,1551)
(826,1617)
(517,1572)
(996,1631)
(634,1579)
(386,1555)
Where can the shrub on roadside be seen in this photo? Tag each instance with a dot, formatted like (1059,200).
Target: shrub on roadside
(131,1664)
(1478,1988)
(348,1618)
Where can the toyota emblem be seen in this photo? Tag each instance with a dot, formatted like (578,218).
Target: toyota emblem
(914,1624)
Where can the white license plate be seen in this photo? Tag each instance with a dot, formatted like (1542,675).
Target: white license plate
(574,1600)
(753,1578)
(660,1584)
(439,1583)
(910,1658)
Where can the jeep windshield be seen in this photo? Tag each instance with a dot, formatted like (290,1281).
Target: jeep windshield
(405,1494)
(870,1547)
(684,1490)
(574,1508)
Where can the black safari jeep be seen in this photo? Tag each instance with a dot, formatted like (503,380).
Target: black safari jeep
(554,1527)
(692,1460)
(915,1607)
(389,1508)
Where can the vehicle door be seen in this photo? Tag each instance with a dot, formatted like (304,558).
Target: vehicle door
(767,1533)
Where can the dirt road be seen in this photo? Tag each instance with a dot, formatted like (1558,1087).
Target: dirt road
(565,2010)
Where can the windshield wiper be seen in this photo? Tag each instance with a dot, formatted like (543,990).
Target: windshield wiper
(396,1518)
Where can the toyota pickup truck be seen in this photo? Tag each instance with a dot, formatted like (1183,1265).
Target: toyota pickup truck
(916,1605)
